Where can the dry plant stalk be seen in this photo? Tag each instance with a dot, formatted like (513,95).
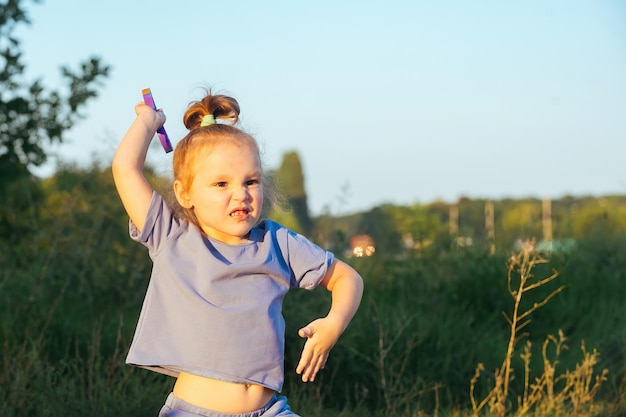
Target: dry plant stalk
(549,395)
(568,394)
(523,263)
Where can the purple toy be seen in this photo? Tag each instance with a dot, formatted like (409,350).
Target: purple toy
(165,140)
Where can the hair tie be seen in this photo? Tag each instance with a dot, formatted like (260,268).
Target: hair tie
(207,120)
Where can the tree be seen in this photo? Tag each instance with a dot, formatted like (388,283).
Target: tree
(521,221)
(30,116)
(290,180)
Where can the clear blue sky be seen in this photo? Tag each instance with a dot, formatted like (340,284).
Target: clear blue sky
(386,102)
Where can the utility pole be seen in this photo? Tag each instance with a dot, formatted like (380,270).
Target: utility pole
(546,221)
(490,226)
(453,220)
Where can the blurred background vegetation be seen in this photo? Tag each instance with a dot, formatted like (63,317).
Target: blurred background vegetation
(72,283)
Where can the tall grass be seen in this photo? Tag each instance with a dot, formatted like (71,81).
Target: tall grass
(424,325)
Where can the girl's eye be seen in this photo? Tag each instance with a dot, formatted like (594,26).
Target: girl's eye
(252,182)
(221,184)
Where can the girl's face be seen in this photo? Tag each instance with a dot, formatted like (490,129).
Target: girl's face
(226,193)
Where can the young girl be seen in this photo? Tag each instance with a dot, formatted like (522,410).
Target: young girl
(212,312)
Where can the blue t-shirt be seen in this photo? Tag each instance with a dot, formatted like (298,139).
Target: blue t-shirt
(214,309)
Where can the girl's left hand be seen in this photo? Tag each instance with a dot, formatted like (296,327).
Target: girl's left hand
(321,335)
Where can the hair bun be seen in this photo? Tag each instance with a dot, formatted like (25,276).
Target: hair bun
(219,106)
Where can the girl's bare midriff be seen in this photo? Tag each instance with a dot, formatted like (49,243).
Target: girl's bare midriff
(225,397)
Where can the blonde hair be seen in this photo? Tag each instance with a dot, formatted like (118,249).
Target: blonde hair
(225,110)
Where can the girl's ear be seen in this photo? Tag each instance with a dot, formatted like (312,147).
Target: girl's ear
(182,195)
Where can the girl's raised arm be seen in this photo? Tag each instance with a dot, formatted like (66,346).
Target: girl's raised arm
(128,162)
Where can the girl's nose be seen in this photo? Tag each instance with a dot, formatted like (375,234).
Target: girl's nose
(240,194)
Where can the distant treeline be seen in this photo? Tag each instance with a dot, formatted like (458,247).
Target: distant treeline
(499,224)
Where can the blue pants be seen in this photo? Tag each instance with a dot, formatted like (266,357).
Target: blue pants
(175,407)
